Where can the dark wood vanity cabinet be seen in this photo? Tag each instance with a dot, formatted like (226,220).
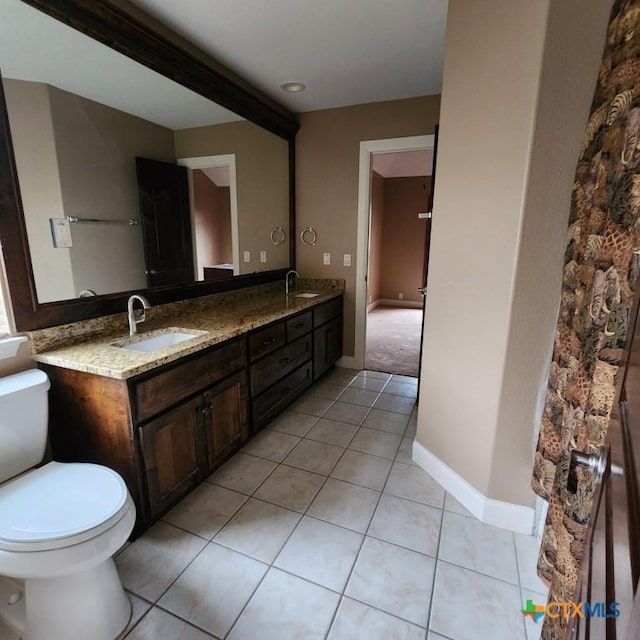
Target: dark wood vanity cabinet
(287,356)
(164,431)
(327,336)
(167,429)
(173,455)
(182,446)
(280,356)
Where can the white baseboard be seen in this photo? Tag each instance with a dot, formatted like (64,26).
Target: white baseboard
(407,304)
(542,507)
(515,517)
(372,306)
(349,362)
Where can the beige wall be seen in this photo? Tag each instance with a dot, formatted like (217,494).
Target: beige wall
(403,237)
(34,148)
(76,157)
(375,237)
(514,106)
(96,147)
(327,153)
(262,178)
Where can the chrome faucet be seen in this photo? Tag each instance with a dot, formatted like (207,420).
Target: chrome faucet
(286,280)
(133,320)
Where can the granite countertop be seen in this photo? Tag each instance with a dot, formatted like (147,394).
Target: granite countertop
(219,322)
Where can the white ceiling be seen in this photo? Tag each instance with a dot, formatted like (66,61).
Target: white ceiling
(403,164)
(35,47)
(344,51)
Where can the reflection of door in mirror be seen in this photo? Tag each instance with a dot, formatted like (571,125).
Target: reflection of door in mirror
(166,226)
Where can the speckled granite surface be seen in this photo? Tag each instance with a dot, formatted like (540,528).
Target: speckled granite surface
(92,345)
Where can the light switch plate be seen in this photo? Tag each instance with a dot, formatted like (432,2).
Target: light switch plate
(347,260)
(263,256)
(246,256)
(326,258)
(61,233)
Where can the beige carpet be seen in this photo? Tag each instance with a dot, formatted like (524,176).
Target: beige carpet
(393,340)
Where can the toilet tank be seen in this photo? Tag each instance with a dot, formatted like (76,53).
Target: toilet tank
(23,421)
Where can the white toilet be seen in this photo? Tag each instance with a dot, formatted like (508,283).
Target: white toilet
(60,525)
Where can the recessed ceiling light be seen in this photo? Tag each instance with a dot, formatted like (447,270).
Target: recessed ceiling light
(293,87)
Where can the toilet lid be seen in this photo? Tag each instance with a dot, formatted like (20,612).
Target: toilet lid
(59,500)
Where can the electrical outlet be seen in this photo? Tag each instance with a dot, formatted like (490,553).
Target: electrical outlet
(61,233)
(401,296)
(347,260)
(263,256)
(326,258)
(247,256)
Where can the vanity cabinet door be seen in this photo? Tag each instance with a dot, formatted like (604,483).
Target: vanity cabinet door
(225,426)
(327,346)
(173,454)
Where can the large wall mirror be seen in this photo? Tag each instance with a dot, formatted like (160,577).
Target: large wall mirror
(129,180)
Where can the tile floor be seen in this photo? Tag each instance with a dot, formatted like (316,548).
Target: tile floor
(322,527)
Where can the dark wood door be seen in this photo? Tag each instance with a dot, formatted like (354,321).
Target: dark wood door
(173,454)
(611,568)
(226,426)
(163,190)
(427,246)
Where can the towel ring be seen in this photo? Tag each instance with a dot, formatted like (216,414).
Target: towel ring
(309,236)
(278,236)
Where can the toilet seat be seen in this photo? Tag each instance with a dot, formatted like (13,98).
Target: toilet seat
(60,505)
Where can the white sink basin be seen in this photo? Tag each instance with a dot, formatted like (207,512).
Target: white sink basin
(305,295)
(158,341)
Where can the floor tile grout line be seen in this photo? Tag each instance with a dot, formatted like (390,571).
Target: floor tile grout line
(271,564)
(435,568)
(515,551)
(144,615)
(192,624)
(357,556)
(479,573)
(155,602)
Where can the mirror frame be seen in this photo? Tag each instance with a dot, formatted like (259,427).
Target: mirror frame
(122,31)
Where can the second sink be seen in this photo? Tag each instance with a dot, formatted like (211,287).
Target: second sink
(305,295)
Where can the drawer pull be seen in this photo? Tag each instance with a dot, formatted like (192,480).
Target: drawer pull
(267,343)
(298,325)
(285,360)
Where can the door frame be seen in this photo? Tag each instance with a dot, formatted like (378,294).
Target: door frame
(367,149)
(205,162)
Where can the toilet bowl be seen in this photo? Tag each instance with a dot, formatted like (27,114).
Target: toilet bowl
(60,525)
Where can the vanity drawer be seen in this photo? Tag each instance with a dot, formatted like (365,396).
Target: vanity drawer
(277,365)
(269,404)
(299,325)
(327,311)
(162,390)
(264,341)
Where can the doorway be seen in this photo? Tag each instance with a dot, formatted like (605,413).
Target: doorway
(387,299)
(214,215)
(399,196)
